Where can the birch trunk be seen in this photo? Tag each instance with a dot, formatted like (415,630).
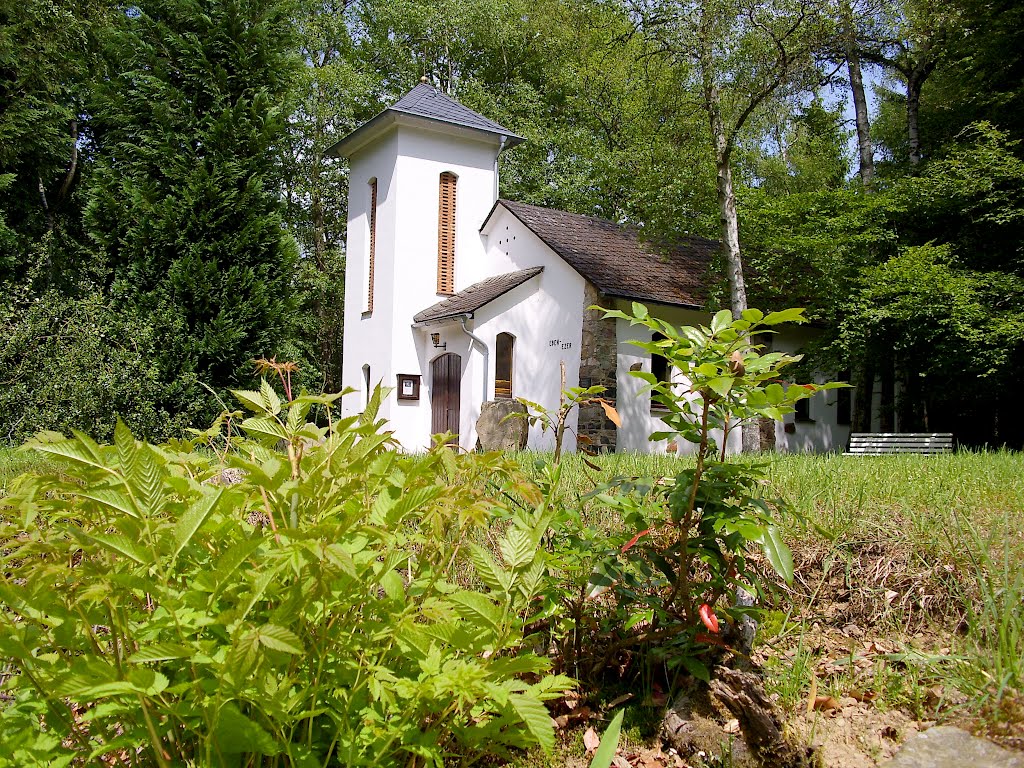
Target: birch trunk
(751,431)
(914,83)
(860,104)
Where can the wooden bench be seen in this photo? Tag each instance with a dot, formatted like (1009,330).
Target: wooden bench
(877,443)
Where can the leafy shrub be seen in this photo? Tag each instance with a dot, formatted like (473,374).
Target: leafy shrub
(77,363)
(323,609)
(684,543)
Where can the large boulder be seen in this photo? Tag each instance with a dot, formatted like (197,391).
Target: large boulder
(496,431)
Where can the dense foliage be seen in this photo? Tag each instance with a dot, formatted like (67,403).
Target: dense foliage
(321,600)
(167,164)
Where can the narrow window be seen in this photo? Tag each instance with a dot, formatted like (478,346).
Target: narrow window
(660,368)
(373,244)
(366,384)
(659,365)
(503,345)
(446,234)
(802,410)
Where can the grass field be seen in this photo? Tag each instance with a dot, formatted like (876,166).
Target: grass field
(908,581)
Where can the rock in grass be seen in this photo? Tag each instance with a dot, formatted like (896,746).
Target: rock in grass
(950,747)
(498,432)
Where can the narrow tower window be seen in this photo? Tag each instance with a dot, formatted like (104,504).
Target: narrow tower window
(504,345)
(446,234)
(373,244)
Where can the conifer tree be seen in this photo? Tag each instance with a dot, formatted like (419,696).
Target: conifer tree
(186,203)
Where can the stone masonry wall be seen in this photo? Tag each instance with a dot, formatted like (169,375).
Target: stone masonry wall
(598,360)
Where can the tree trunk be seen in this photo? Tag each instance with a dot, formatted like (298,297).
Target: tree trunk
(860,102)
(864,397)
(887,402)
(730,233)
(751,431)
(914,83)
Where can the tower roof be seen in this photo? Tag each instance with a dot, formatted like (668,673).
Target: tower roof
(424,102)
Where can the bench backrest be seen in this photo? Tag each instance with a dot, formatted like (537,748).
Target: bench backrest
(900,442)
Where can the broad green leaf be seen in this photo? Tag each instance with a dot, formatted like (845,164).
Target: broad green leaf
(121,545)
(278,638)
(696,668)
(265,425)
(124,441)
(517,548)
(609,743)
(639,311)
(752,315)
(721,321)
(412,501)
(270,399)
(491,574)
(112,499)
(393,586)
(146,479)
(777,552)
(234,734)
(251,400)
(722,385)
(160,652)
(474,606)
(72,450)
(193,519)
(792,315)
(536,718)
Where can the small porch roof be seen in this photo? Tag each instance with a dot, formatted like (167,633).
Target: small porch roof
(469,300)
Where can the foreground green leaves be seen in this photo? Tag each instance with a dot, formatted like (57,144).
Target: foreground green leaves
(325,609)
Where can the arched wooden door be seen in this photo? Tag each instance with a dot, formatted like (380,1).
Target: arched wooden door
(445,401)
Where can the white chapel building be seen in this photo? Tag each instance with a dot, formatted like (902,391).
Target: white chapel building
(454,296)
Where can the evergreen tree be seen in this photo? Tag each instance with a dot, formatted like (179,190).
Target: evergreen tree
(187,200)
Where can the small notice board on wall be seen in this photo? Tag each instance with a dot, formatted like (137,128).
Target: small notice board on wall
(408,386)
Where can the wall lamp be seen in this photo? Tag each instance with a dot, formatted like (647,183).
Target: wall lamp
(435,339)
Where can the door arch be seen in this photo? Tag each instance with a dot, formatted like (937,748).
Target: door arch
(445,394)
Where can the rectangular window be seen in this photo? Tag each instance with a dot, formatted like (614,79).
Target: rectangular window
(660,368)
(446,234)
(503,347)
(373,245)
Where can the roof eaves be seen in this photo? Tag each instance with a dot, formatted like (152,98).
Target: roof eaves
(619,294)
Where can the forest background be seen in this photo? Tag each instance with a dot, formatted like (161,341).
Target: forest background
(168,214)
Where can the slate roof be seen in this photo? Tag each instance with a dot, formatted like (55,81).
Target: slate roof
(617,261)
(469,300)
(427,102)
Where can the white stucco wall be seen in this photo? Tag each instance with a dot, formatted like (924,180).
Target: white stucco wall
(408,162)
(820,434)
(364,330)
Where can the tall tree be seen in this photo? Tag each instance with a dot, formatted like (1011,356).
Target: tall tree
(737,54)
(851,52)
(48,62)
(910,38)
(186,204)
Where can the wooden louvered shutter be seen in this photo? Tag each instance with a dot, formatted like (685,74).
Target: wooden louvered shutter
(446,234)
(373,244)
